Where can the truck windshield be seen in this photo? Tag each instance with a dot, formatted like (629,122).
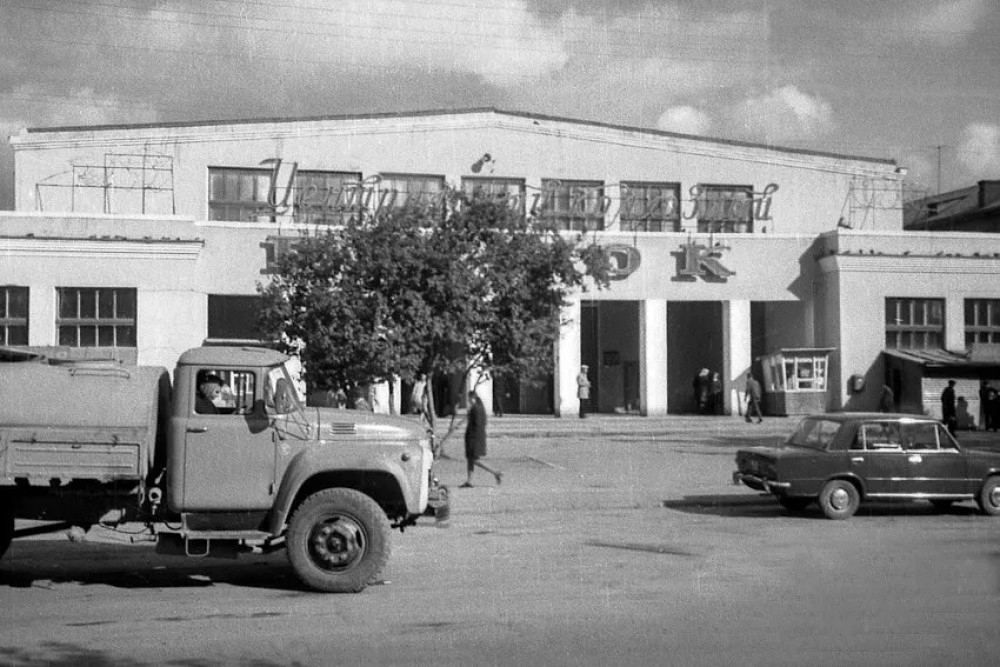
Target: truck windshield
(280,396)
(815,433)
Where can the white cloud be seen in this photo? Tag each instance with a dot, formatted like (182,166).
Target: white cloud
(784,114)
(979,150)
(685,120)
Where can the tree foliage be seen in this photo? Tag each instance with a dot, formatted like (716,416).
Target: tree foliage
(410,291)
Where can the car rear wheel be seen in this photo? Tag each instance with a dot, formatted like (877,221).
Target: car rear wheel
(989,496)
(839,499)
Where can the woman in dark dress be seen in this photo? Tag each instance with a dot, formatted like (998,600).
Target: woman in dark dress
(475,440)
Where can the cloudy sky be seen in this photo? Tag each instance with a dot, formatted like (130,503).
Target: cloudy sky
(912,80)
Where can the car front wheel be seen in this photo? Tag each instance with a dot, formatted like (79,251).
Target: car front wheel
(839,499)
(338,541)
(989,496)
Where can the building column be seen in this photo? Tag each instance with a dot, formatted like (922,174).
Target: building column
(736,359)
(567,361)
(42,315)
(954,324)
(653,357)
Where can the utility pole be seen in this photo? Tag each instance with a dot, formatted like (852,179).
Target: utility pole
(939,168)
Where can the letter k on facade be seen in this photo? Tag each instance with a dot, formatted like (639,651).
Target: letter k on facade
(701,261)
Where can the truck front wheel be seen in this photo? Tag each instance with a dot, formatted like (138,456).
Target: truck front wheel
(6,522)
(338,541)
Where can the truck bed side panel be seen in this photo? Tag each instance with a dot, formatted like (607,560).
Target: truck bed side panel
(104,455)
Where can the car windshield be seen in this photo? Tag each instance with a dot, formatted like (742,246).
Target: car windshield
(815,433)
(280,396)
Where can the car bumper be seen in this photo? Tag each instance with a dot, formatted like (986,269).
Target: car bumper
(759,483)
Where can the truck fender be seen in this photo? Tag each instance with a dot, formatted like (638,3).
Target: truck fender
(306,466)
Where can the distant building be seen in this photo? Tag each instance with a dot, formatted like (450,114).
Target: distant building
(139,241)
(972,209)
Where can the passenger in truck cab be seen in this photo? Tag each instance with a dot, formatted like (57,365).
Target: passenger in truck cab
(209,390)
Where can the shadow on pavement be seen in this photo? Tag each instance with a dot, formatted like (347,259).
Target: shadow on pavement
(765,505)
(44,564)
(61,654)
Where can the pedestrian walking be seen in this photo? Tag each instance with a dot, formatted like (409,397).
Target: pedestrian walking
(583,390)
(753,392)
(475,441)
(886,400)
(949,415)
(420,400)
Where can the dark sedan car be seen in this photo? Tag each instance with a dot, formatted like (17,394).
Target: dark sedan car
(840,459)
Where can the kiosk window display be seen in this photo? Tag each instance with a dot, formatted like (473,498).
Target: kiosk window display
(795,380)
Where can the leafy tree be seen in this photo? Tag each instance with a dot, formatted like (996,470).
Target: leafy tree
(414,290)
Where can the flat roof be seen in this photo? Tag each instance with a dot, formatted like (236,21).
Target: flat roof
(231,356)
(457,112)
(941,359)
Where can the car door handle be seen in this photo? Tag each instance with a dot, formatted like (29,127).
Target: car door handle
(857,459)
(915,458)
(197,429)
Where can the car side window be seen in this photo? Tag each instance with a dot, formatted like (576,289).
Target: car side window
(223,392)
(921,436)
(879,436)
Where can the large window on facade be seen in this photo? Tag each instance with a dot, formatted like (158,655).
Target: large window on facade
(725,208)
(239,195)
(509,191)
(13,315)
(326,197)
(982,321)
(577,205)
(650,207)
(96,317)
(233,316)
(416,191)
(914,323)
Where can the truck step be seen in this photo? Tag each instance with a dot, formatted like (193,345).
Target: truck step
(252,535)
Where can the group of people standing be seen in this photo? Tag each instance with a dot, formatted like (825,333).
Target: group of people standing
(708,392)
(989,407)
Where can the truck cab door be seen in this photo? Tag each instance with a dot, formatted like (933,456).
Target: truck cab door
(229,452)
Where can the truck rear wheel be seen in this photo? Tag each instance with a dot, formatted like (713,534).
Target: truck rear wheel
(338,541)
(6,522)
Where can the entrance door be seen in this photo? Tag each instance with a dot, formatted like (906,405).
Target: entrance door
(229,455)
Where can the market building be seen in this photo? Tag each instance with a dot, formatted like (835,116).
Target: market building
(140,241)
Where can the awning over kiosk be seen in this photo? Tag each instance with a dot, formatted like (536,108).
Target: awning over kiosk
(918,376)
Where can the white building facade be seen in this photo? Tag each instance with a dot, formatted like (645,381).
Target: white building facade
(142,241)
